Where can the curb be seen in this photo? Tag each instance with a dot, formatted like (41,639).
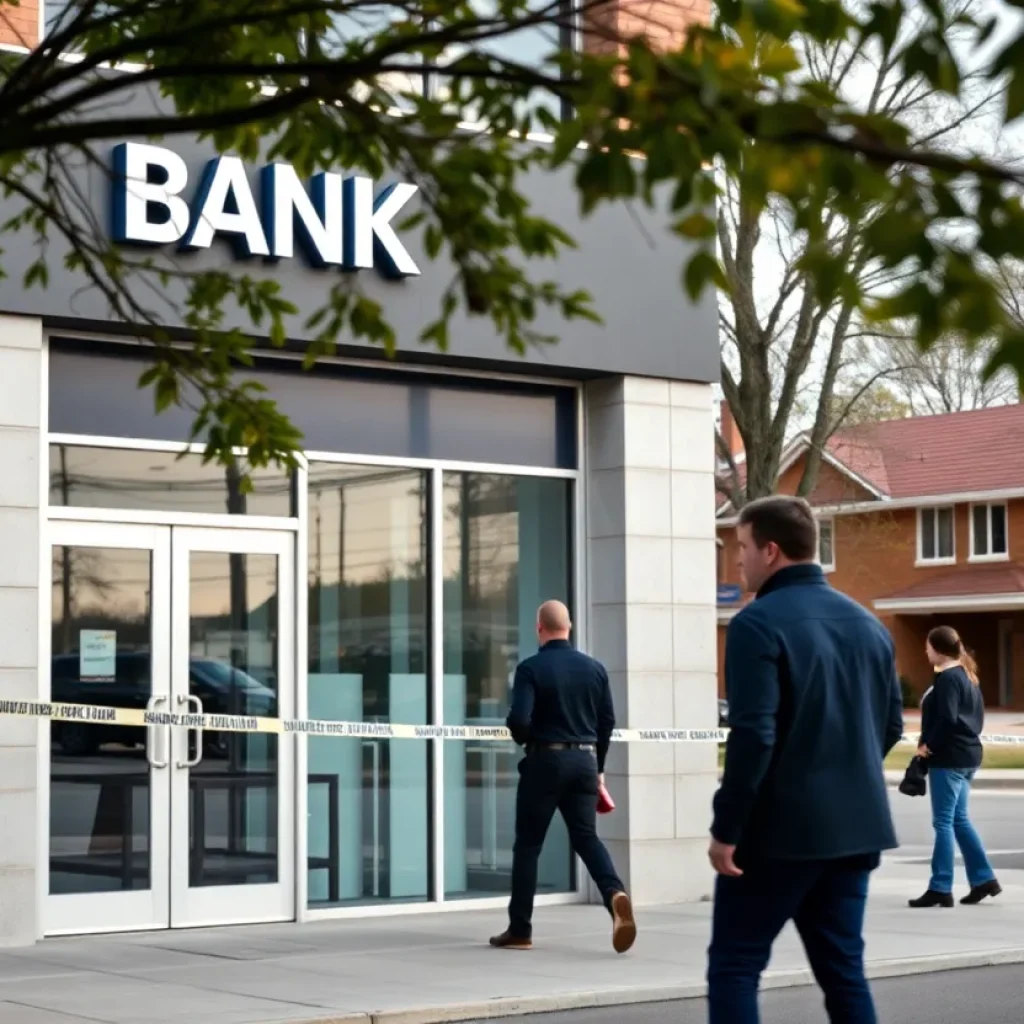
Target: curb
(977,784)
(495,1009)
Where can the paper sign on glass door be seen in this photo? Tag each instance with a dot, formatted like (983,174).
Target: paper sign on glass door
(97,659)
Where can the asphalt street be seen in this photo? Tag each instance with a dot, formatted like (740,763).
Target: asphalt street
(997,815)
(989,996)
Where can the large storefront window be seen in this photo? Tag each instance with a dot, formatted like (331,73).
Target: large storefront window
(148,481)
(368,585)
(506,547)
(507,543)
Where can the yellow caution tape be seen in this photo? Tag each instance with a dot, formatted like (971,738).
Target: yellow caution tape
(139,718)
(94,714)
(993,739)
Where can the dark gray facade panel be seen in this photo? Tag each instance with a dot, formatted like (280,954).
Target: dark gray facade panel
(626,258)
(360,413)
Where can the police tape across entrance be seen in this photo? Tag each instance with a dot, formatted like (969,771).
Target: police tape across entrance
(140,718)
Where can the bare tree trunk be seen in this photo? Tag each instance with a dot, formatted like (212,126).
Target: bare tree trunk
(823,421)
(786,328)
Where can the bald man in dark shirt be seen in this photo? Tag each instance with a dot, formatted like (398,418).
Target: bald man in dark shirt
(563,717)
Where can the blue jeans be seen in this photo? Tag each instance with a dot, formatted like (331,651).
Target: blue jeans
(950,790)
(825,900)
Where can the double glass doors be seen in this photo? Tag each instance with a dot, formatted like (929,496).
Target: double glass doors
(166,827)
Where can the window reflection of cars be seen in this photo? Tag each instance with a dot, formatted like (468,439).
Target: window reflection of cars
(226,690)
(223,689)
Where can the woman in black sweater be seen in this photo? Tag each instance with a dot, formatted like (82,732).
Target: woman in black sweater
(952,719)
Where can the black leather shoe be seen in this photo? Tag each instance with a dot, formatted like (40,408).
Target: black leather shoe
(508,941)
(932,899)
(980,892)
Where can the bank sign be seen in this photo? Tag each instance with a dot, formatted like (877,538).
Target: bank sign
(337,221)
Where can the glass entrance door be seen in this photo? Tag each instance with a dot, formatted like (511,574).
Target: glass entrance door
(109,792)
(232,808)
(162,827)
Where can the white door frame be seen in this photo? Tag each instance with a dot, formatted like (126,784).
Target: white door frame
(144,908)
(170,902)
(232,904)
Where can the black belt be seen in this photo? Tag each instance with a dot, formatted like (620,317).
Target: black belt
(565,746)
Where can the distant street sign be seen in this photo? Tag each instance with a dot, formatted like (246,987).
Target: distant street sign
(729,593)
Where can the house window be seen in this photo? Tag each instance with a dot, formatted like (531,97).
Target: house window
(826,544)
(935,541)
(988,531)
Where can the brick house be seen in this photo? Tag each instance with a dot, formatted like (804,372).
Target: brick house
(21,24)
(922,521)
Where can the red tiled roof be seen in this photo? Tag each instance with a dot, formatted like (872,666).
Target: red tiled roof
(862,453)
(959,452)
(978,450)
(967,581)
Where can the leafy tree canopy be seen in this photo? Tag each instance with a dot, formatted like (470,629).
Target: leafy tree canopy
(328,84)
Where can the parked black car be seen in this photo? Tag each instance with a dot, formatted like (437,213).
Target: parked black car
(223,689)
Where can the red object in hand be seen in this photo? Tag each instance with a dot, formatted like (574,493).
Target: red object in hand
(605,803)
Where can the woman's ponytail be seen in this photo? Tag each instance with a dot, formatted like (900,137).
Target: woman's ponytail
(945,640)
(970,666)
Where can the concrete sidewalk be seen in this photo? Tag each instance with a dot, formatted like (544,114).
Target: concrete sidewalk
(437,967)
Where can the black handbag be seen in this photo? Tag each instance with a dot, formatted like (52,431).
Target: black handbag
(915,781)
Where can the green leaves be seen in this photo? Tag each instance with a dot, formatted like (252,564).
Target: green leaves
(930,57)
(698,226)
(701,270)
(1015,96)
(318,83)
(885,21)
(1009,355)
(37,274)
(603,175)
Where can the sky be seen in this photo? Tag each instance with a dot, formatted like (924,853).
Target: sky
(984,134)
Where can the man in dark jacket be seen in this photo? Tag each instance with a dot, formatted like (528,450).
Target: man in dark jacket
(562,714)
(802,813)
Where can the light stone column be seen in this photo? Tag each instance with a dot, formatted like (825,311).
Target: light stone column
(652,590)
(21,355)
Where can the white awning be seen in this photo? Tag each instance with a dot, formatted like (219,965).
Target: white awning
(951,603)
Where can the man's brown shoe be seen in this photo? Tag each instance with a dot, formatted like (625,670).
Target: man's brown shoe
(623,923)
(508,941)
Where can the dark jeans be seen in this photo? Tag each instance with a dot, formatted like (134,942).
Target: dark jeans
(550,780)
(825,900)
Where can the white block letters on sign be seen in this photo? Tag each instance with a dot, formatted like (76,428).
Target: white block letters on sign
(135,190)
(224,206)
(316,214)
(368,231)
(337,221)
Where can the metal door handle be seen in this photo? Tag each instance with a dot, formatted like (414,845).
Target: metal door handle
(154,731)
(189,698)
